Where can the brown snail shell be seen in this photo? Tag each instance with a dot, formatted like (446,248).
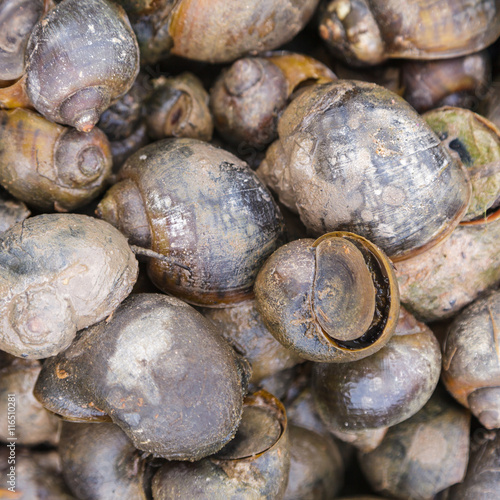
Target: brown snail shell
(460,81)
(99,461)
(17,18)
(439,282)
(333,300)
(353,156)
(477,143)
(370,31)
(482,481)
(383,389)
(255,464)
(59,273)
(178,107)
(471,370)
(248,98)
(80,58)
(49,166)
(34,425)
(176,390)
(208,219)
(422,455)
(244,329)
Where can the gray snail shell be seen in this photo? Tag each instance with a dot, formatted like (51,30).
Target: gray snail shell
(353,156)
(209,220)
(81,57)
(59,273)
(176,390)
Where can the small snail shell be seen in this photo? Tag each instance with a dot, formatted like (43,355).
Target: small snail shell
(49,166)
(81,57)
(353,156)
(334,299)
(176,395)
(99,461)
(422,455)
(482,481)
(461,81)
(178,107)
(471,359)
(370,31)
(59,273)
(255,464)
(210,221)
(477,143)
(17,18)
(248,98)
(383,389)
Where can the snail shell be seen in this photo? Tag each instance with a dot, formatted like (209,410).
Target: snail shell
(206,215)
(370,31)
(48,166)
(353,156)
(422,455)
(471,359)
(81,57)
(59,273)
(178,107)
(334,299)
(176,390)
(383,389)
(248,97)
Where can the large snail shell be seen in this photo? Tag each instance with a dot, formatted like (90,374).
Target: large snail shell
(221,31)
(17,18)
(176,389)
(369,31)
(49,166)
(59,273)
(383,389)
(353,156)
(81,57)
(333,300)
(471,359)
(207,216)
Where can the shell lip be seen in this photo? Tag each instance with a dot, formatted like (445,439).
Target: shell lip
(489,217)
(265,400)
(389,314)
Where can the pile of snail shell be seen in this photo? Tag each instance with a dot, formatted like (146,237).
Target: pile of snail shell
(249,250)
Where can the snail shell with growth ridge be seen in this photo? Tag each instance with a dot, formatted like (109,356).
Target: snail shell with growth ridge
(353,156)
(208,219)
